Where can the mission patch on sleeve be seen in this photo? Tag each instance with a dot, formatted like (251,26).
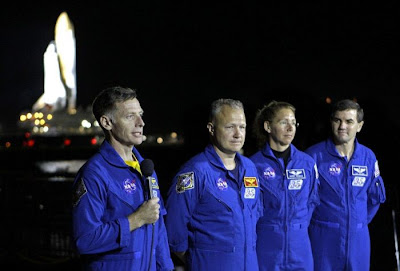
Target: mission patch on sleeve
(79,191)
(185,182)
(316,171)
(376,171)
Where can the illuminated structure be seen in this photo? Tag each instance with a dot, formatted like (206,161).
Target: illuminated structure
(55,113)
(59,70)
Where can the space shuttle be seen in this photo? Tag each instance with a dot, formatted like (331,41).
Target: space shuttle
(59,62)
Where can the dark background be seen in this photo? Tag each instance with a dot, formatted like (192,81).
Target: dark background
(181,56)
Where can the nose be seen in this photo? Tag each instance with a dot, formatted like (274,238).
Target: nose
(342,125)
(291,126)
(238,132)
(139,121)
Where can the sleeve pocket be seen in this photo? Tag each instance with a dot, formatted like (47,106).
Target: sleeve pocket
(378,193)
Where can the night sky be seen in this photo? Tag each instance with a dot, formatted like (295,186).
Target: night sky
(181,56)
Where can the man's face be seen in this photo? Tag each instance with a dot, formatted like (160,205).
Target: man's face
(127,123)
(229,130)
(345,126)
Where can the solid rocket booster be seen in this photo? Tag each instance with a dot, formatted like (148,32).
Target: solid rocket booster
(66,50)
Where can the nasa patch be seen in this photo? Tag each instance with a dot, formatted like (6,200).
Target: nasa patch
(130,185)
(222,184)
(335,169)
(269,173)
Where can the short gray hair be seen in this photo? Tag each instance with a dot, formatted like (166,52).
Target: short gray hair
(218,104)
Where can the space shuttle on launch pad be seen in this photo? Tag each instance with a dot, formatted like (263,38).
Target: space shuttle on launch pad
(60,70)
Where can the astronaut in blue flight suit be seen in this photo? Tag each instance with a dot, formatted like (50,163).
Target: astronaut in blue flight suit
(289,182)
(115,226)
(351,192)
(214,202)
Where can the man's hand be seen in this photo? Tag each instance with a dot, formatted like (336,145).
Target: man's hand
(147,213)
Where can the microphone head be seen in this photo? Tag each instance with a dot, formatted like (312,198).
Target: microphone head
(147,167)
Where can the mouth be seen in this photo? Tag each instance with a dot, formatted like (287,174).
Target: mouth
(236,142)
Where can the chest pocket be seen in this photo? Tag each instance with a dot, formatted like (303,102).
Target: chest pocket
(299,199)
(217,202)
(330,185)
(359,187)
(271,198)
(124,197)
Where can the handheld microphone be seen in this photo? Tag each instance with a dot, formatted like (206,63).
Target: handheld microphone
(147,168)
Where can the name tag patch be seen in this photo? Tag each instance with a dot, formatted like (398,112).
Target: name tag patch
(295,184)
(250,193)
(358,181)
(293,174)
(359,170)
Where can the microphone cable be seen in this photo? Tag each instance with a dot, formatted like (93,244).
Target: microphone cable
(152,245)
(147,168)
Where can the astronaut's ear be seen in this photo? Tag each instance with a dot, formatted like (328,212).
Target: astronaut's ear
(210,127)
(267,127)
(106,122)
(360,125)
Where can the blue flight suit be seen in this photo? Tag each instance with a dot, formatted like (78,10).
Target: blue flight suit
(290,195)
(351,193)
(212,215)
(106,191)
